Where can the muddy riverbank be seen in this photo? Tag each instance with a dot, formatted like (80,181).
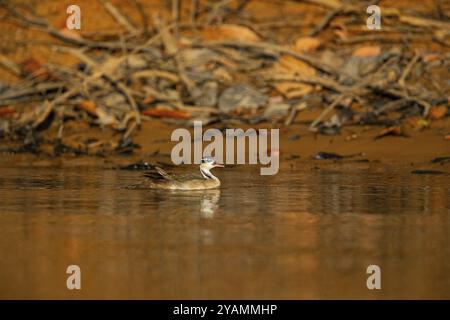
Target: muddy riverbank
(415,150)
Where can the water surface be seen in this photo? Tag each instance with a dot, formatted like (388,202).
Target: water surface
(307,234)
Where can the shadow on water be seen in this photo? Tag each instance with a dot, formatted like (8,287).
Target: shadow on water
(308,234)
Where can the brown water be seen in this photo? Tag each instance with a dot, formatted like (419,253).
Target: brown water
(308,234)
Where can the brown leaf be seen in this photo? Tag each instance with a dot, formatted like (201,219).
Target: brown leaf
(391,131)
(288,65)
(447,137)
(70,34)
(89,107)
(306,44)
(437,112)
(35,116)
(166,113)
(104,117)
(340,29)
(428,57)
(229,32)
(32,66)
(6,111)
(293,89)
(368,51)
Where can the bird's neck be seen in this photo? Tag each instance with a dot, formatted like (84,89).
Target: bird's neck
(207,174)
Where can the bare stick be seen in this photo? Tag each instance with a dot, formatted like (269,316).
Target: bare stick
(314,62)
(215,10)
(41,24)
(293,113)
(313,125)
(318,80)
(7,97)
(144,17)
(172,49)
(408,69)
(325,22)
(9,65)
(115,13)
(168,40)
(175,15)
(107,74)
(194,12)
(405,18)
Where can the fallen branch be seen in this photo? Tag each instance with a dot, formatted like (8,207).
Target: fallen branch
(115,13)
(322,115)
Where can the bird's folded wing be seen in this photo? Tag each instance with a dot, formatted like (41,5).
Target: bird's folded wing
(158,174)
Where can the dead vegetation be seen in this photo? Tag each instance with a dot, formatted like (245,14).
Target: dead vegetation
(217,64)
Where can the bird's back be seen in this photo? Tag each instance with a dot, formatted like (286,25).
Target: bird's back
(160,179)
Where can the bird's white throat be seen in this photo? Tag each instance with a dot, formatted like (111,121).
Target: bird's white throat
(206,173)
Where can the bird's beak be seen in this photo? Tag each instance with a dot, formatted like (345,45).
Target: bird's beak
(218,165)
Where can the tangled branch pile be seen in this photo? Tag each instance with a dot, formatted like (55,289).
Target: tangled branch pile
(217,71)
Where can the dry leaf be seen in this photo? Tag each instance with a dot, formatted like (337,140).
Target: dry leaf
(70,34)
(306,44)
(437,112)
(340,30)
(89,107)
(6,111)
(166,113)
(447,137)
(288,65)
(291,65)
(35,116)
(229,32)
(391,131)
(104,118)
(368,51)
(293,89)
(428,57)
(32,66)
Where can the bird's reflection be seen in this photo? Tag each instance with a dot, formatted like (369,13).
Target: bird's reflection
(209,203)
(202,202)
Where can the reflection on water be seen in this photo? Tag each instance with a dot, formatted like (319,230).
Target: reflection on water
(308,234)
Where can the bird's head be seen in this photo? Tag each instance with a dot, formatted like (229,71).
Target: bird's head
(209,163)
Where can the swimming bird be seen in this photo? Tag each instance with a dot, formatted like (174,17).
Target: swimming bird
(160,179)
